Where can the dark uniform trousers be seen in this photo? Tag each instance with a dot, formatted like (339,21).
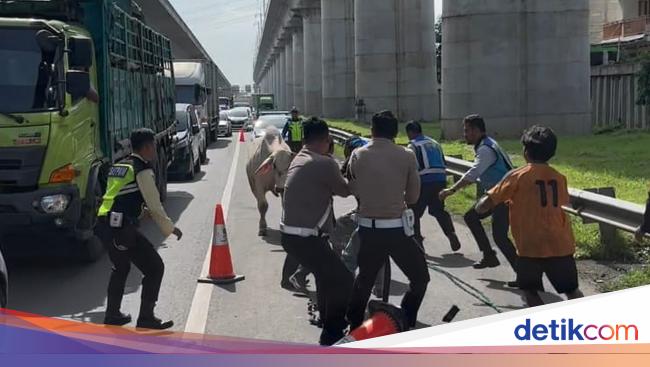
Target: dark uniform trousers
(295,146)
(333,280)
(140,252)
(429,198)
(376,246)
(500,227)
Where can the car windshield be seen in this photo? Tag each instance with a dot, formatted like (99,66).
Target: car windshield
(27,74)
(183,120)
(238,112)
(266,121)
(185,94)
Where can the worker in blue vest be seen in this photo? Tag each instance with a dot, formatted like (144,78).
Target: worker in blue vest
(491,165)
(293,132)
(433,177)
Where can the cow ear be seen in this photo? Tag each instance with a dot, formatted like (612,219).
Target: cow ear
(266,167)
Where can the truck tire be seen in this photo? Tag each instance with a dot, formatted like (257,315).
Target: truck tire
(91,249)
(204,155)
(214,135)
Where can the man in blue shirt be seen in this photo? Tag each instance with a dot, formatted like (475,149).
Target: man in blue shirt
(491,165)
(433,176)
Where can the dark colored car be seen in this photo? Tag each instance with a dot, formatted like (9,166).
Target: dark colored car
(191,143)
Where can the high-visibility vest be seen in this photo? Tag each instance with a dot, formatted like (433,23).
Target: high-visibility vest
(296,131)
(430,158)
(122,192)
(497,171)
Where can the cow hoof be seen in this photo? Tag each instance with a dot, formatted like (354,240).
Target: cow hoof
(262,233)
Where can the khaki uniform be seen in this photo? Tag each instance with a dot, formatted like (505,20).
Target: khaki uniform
(385,178)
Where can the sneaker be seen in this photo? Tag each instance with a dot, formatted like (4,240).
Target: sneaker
(154,324)
(454,242)
(120,319)
(488,261)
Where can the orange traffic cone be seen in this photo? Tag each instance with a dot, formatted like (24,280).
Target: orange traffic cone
(221,270)
(242,139)
(385,319)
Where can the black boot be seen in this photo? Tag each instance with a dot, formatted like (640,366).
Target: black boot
(147,319)
(113,316)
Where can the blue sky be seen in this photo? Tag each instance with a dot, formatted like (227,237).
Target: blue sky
(228,31)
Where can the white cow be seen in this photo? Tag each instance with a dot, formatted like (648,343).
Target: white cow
(267,170)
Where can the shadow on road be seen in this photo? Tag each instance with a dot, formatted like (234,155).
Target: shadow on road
(58,287)
(273,237)
(451,261)
(180,179)
(221,143)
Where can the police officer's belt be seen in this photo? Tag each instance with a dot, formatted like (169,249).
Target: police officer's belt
(380,223)
(308,232)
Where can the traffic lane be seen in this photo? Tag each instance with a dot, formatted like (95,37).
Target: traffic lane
(258,307)
(65,289)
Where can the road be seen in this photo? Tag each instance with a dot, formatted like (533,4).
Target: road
(256,307)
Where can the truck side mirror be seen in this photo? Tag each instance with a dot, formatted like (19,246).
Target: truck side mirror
(77,84)
(81,53)
(47,41)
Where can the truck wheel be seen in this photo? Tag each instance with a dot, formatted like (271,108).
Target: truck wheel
(197,165)
(92,249)
(229,132)
(214,136)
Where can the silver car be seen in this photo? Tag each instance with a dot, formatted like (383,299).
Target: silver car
(265,122)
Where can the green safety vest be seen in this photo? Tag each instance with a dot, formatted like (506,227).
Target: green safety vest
(122,192)
(296,131)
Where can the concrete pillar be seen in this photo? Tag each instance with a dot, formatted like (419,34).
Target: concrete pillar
(501,61)
(289,73)
(283,78)
(395,58)
(313,59)
(298,69)
(338,58)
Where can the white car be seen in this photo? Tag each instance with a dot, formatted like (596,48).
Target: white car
(265,122)
(225,127)
(240,117)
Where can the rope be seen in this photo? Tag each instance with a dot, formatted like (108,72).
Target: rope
(466,287)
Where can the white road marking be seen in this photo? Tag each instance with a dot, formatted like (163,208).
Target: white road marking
(198,315)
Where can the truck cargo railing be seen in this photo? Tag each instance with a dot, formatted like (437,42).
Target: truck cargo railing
(593,206)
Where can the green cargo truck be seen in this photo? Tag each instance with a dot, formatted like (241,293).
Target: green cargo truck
(263,102)
(76,77)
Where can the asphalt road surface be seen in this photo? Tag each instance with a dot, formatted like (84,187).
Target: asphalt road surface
(256,307)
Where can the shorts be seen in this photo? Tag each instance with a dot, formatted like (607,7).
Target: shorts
(561,272)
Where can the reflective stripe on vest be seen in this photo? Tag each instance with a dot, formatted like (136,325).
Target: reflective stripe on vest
(429,156)
(121,181)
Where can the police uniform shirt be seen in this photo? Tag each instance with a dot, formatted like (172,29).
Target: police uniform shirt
(385,178)
(146,184)
(312,180)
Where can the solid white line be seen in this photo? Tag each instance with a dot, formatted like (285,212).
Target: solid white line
(198,315)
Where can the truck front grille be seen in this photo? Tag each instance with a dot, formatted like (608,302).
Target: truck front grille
(20,168)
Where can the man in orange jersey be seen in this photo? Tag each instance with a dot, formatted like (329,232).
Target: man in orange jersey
(535,194)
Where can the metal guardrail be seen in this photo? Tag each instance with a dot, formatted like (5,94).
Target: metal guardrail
(607,211)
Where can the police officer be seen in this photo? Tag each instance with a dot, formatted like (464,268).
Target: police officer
(491,164)
(384,225)
(307,219)
(433,178)
(131,192)
(293,132)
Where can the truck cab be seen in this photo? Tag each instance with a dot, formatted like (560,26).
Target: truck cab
(67,108)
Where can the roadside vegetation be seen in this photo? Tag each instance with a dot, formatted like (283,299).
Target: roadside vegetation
(616,159)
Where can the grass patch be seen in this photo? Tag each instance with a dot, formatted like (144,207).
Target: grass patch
(633,278)
(609,159)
